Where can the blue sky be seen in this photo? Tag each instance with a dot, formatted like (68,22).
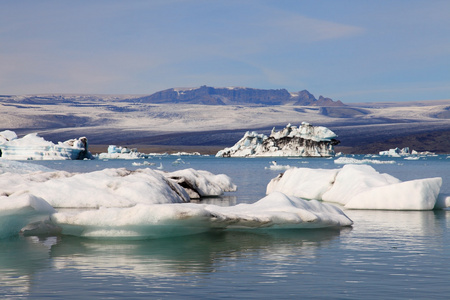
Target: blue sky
(355,51)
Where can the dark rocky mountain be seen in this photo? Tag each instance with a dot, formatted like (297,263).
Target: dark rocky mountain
(236,96)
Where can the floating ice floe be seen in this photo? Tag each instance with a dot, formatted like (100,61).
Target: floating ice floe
(412,158)
(118,203)
(34,147)
(275,166)
(145,163)
(350,160)
(276,211)
(361,187)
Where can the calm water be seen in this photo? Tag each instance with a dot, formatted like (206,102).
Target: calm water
(385,255)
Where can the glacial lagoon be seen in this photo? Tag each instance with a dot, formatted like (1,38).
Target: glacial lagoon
(384,255)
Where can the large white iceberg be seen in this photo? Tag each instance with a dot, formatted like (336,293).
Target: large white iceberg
(119,203)
(306,140)
(361,187)
(34,147)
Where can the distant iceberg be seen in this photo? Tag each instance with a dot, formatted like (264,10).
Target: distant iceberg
(119,152)
(306,140)
(34,147)
(397,152)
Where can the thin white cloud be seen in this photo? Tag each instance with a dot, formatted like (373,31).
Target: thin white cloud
(301,28)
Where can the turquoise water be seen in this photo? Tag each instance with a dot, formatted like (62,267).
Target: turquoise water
(385,255)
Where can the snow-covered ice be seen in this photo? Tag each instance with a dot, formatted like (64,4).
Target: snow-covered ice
(361,187)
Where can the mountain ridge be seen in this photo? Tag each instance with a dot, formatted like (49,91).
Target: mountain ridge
(207,95)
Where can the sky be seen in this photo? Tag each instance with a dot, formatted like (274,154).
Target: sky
(348,50)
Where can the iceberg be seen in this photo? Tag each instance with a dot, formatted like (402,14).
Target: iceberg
(145,203)
(397,152)
(361,187)
(118,152)
(34,147)
(306,140)
(275,211)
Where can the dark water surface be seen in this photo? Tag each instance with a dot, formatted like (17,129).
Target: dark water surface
(385,255)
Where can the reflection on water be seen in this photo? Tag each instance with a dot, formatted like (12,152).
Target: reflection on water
(151,259)
(20,259)
(405,229)
(189,254)
(385,255)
